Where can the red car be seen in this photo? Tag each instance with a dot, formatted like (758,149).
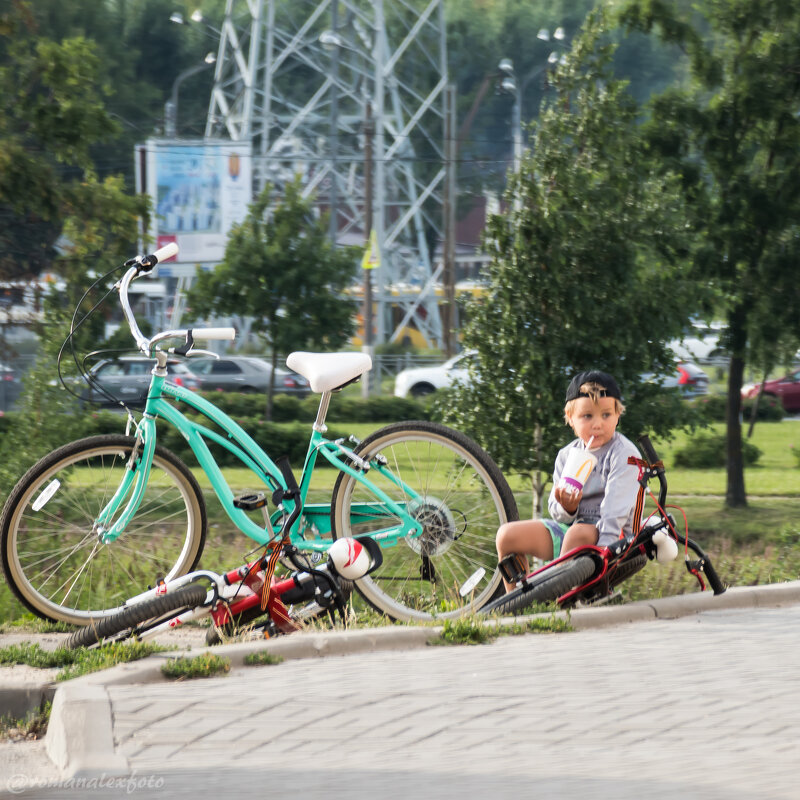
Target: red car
(786,388)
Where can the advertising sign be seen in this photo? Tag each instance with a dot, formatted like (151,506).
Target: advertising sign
(199,190)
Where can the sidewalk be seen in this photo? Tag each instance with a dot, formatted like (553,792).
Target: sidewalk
(458,713)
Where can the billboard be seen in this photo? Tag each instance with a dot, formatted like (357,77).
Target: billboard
(199,190)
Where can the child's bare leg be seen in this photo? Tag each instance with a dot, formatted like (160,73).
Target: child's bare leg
(578,535)
(527,537)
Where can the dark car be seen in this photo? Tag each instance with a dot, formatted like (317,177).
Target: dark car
(787,389)
(246,374)
(687,377)
(128,379)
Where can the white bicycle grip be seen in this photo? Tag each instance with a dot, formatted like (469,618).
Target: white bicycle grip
(214,333)
(165,252)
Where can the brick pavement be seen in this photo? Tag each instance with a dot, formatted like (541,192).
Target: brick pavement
(714,713)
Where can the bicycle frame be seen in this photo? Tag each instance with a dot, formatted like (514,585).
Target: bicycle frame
(310,529)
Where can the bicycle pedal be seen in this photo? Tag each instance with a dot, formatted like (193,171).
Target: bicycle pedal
(250,501)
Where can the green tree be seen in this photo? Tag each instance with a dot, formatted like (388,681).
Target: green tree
(735,135)
(51,112)
(587,271)
(281,270)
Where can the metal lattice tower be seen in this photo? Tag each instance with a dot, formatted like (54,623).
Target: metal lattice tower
(307,81)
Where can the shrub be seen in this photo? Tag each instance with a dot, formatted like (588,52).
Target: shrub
(714,407)
(708,451)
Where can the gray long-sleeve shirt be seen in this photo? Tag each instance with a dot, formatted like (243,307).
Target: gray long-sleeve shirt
(609,496)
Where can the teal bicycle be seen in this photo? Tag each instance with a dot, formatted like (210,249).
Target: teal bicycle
(94,522)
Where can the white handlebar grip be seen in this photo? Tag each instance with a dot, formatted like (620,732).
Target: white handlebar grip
(165,252)
(214,333)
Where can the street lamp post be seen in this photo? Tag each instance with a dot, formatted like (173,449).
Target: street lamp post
(510,84)
(171,106)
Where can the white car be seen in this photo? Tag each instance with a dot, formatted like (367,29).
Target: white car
(425,380)
(701,345)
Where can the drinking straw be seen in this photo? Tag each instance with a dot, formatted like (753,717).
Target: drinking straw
(589,443)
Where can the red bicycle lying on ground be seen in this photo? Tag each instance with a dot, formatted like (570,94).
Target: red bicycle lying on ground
(589,574)
(247,596)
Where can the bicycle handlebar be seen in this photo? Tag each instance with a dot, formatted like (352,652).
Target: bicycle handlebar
(141,265)
(656,465)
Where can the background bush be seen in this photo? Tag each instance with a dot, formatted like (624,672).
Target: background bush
(343,408)
(707,451)
(713,408)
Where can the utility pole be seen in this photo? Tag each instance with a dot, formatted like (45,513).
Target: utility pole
(449,315)
(369,130)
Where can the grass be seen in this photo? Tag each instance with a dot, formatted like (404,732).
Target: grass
(75,663)
(206,665)
(262,658)
(474,630)
(749,536)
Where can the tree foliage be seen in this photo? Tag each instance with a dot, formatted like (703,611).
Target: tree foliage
(52,111)
(281,269)
(734,134)
(587,271)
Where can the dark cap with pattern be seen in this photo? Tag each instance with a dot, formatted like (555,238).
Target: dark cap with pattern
(610,388)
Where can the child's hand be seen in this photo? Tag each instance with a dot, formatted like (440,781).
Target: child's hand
(569,500)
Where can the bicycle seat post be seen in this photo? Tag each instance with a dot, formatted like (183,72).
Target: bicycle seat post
(322,412)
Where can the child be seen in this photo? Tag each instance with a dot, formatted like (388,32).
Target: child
(604,509)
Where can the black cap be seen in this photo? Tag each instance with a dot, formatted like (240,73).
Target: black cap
(593,376)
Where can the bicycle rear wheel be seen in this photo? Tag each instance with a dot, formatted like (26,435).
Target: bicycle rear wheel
(462,499)
(545,587)
(164,606)
(54,560)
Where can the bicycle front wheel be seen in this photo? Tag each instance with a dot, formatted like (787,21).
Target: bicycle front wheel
(449,484)
(157,609)
(53,558)
(546,587)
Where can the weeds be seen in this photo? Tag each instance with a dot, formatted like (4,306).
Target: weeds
(33,726)
(75,662)
(205,665)
(109,655)
(472,630)
(262,658)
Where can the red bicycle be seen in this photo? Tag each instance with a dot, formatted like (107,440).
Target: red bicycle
(590,573)
(248,596)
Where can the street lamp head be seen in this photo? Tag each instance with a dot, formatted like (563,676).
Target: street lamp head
(543,34)
(176,17)
(559,34)
(552,58)
(508,85)
(506,66)
(210,58)
(197,16)
(330,40)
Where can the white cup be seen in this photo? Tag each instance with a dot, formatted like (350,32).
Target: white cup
(577,469)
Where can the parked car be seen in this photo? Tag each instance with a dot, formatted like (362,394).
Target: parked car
(787,389)
(689,378)
(702,344)
(246,374)
(421,381)
(128,378)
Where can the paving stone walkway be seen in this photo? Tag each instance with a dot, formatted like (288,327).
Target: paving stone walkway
(704,706)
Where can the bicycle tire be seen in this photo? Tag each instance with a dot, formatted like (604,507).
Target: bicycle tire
(463,499)
(102,628)
(52,559)
(624,569)
(544,588)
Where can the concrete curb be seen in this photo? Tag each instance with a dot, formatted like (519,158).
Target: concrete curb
(79,738)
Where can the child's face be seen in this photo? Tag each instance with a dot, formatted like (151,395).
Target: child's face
(595,419)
